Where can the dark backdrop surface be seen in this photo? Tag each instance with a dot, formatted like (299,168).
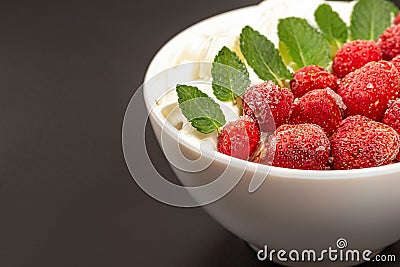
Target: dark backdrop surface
(67,72)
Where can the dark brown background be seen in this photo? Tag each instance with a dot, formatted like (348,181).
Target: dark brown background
(67,72)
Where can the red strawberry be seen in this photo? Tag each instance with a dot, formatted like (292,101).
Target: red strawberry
(392,118)
(397,19)
(354,55)
(239,139)
(362,143)
(310,78)
(396,62)
(367,90)
(389,42)
(268,104)
(303,146)
(321,107)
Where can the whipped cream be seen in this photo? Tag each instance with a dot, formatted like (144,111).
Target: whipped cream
(265,19)
(206,44)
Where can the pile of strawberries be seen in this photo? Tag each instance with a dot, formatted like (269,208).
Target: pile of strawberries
(346,120)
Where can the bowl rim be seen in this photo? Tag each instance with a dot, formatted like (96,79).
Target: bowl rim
(252,166)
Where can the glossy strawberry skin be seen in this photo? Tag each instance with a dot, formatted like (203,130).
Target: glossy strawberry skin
(363,143)
(319,107)
(311,78)
(268,104)
(239,139)
(368,90)
(303,147)
(389,42)
(354,55)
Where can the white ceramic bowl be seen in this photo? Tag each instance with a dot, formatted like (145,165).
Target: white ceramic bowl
(292,209)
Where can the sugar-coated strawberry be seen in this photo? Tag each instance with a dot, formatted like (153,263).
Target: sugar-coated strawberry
(302,146)
(362,143)
(392,116)
(310,78)
(321,107)
(239,139)
(354,55)
(389,42)
(368,90)
(268,104)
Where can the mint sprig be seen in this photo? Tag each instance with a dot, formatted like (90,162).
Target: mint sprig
(261,54)
(370,18)
(332,26)
(230,76)
(305,45)
(199,109)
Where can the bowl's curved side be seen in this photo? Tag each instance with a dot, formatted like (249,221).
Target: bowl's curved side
(303,214)
(292,209)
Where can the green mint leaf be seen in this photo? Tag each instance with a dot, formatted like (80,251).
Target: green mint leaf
(230,76)
(199,109)
(370,18)
(305,45)
(332,26)
(261,54)
(284,52)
